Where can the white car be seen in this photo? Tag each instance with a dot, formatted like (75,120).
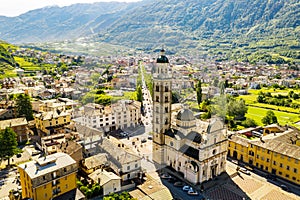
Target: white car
(192,192)
(245,171)
(186,188)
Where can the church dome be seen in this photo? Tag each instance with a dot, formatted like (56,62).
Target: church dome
(185,115)
(162,58)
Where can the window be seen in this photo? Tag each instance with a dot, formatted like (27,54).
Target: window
(294,178)
(268,151)
(280,173)
(166,99)
(157,98)
(128,167)
(289,159)
(251,145)
(258,148)
(65,169)
(44,178)
(296,161)
(157,88)
(257,156)
(214,152)
(287,167)
(295,170)
(281,165)
(267,168)
(45,186)
(166,110)
(268,160)
(262,158)
(287,175)
(45,195)
(66,186)
(136,165)
(281,156)
(166,89)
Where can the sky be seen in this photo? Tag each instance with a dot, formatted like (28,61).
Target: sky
(12,8)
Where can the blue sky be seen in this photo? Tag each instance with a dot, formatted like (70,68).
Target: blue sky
(13,8)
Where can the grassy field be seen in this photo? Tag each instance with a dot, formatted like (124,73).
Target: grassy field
(283,117)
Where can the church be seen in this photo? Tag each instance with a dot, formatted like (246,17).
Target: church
(194,148)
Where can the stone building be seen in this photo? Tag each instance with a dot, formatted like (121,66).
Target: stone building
(195,149)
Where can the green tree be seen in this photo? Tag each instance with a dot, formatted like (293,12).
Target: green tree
(236,108)
(24,106)
(249,123)
(8,144)
(139,93)
(270,118)
(199,92)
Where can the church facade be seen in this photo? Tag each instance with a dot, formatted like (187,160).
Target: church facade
(195,149)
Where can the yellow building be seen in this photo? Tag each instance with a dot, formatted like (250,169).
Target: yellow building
(48,177)
(276,153)
(49,122)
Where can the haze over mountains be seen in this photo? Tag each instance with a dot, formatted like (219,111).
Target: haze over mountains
(153,22)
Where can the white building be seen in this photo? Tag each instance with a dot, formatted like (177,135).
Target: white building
(194,148)
(122,159)
(123,114)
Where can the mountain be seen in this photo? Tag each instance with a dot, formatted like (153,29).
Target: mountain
(60,23)
(190,24)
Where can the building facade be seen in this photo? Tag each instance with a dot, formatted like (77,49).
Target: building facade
(48,123)
(277,154)
(123,114)
(48,177)
(195,149)
(19,126)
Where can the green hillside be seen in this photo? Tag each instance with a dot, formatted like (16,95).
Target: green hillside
(7,61)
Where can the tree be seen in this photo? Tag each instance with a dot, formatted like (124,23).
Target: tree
(139,93)
(8,143)
(199,92)
(270,118)
(24,107)
(236,108)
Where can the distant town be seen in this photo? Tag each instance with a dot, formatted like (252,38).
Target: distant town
(143,126)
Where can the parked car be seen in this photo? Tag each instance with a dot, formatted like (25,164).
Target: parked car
(165,176)
(245,171)
(178,184)
(235,161)
(144,140)
(150,137)
(284,187)
(186,188)
(19,155)
(192,192)
(172,180)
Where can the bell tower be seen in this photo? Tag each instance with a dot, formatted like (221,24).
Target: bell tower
(162,97)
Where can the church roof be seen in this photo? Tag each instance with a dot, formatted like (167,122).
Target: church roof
(162,58)
(185,115)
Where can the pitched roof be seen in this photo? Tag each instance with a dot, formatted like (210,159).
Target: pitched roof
(120,153)
(13,122)
(96,160)
(104,176)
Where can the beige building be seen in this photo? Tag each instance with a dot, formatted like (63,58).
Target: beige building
(19,126)
(122,159)
(193,148)
(109,181)
(123,114)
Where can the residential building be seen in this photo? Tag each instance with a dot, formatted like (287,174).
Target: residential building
(48,177)
(122,160)
(48,123)
(193,148)
(277,153)
(123,114)
(19,126)
(93,163)
(109,181)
